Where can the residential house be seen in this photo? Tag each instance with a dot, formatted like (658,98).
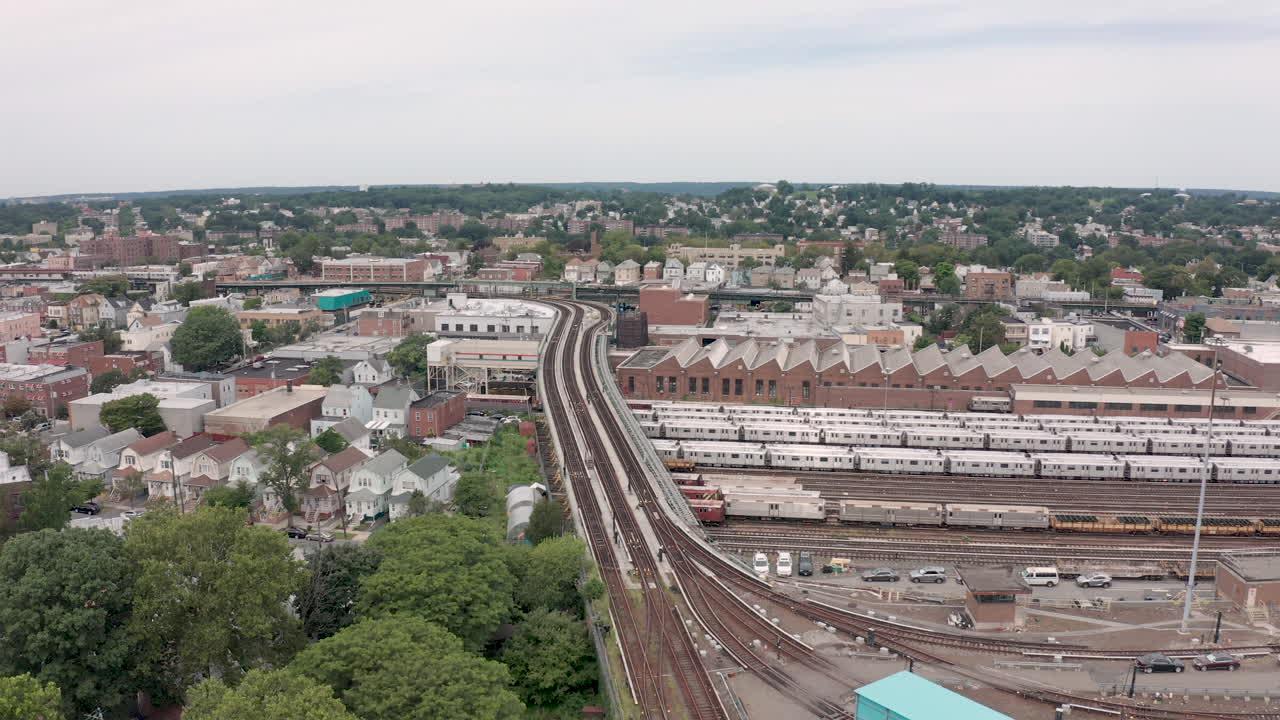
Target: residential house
(330,481)
(141,458)
(174,469)
(72,448)
(356,433)
(580,271)
(652,270)
(85,311)
(626,272)
(716,274)
(340,403)
(247,468)
(212,466)
(390,409)
(103,455)
(371,485)
(673,270)
(604,272)
(697,271)
(430,475)
(374,371)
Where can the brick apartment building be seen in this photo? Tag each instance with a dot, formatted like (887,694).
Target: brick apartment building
(253,381)
(384,322)
(151,362)
(135,249)
(435,413)
(373,269)
(669,306)
(17,325)
(988,286)
(962,240)
(582,227)
(426,223)
(46,387)
(79,354)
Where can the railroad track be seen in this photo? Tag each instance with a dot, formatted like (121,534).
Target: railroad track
(637,628)
(715,587)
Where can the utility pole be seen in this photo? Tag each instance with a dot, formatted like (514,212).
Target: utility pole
(1133,680)
(1204,483)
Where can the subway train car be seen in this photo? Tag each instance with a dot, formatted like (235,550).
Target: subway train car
(1016,517)
(901,460)
(988,464)
(889,512)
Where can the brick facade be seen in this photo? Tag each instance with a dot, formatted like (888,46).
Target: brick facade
(669,306)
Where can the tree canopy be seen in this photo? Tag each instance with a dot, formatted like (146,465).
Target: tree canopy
(140,411)
(210,597)
(65,600)
(405,668)
(48,502)
(451,571)
(551,660)
(208,337)
(288,454)
(551,571)
(326,371)
(110,337)
(327,603)
(107,381)
(26,698)
(409,358)
(265,695)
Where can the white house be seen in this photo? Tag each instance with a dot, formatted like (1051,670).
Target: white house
(626,272)
(103,455)
(716,275)
(697,271)
(246,468)
(391,407)
(356,433)
(673,270)
(73,447)
(340,403)
(430,475)
(330,482)
(375,371)
(371,485)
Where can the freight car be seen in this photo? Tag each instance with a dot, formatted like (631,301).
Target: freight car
(888,512)
(709,511)
(775,505)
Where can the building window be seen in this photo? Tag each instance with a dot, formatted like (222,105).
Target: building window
(737,386)
(1119,406)
(1187,408)
(671,381)
(1047,404)
(631,383)
(1078,405)
(693,385)
(1158,407)
(804,390)
(724,386)
(773,389)
(706,386)
(474,327)
(490,328)
(759,388)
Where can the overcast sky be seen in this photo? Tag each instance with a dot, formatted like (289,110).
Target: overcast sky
(164,94)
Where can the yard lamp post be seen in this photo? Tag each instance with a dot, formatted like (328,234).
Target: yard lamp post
(1204,482)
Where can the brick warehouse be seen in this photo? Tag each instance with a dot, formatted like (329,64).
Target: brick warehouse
(863,376)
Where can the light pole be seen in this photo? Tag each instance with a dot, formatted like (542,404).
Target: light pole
(1204,483)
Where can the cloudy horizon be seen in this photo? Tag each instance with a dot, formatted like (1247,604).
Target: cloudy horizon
(153,96)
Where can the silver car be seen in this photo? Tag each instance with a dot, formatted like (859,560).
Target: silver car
(929,575)
(1093,580)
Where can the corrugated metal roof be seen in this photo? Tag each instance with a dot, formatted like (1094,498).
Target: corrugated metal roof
(915,698)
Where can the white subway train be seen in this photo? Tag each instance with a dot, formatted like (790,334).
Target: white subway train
(917,461)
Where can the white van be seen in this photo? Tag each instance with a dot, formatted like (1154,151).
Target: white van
(1047,576)
(760,564)
(784,564)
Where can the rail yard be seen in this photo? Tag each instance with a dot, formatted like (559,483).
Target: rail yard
(692,620)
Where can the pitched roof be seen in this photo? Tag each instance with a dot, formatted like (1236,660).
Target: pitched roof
(192,445)
(350,429)
(385,464)
(119,441)
(88,436)
(348,458)
(227,451)
(428,465)
(394,397)
(156,442)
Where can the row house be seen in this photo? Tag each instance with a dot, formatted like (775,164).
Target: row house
(330,483)
(371,485)
(390,410)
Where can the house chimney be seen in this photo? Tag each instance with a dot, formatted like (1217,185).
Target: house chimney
(288,386)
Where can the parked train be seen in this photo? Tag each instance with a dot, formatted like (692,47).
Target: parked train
(1140,440)
(713,505)
(687,454)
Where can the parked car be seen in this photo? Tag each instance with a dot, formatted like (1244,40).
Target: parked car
(804,567)
(132,514)
(1216,661)
(784,564)
(760,563)
(1092,580)
(1156,662)
(89,507)
(323,537)
(929,574)
(880,575)
(294,533)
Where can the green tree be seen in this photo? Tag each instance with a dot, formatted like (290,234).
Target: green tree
(1031,262)
(983,328)
(210,598)
(409,358)
(185,292)
(209,337)
(327,603)
(239,495)
(288,455)
(546,521)
(16,405)
(945,280)
(258,331)
(405,668)
(136,411)
(922,342)
(475,495)
(65,599)
(26,698)
(184,269)
(330,441)
(48,503)
(908,272)
(107,381)
(406,447)
(265,695)
(551,571)
(326,371)
(252,303)
(551,660)
(110,337)
(445,569)
(1193,328)
(109,286)
(24,448)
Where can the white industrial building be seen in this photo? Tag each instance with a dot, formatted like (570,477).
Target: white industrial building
(460,316)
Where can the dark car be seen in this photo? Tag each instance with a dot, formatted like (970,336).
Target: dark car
(89,507)
(1216,661)
(880,575)
(804,566)
(1155,662)
(294,533)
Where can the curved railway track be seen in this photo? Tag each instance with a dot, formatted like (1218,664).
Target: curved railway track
(716,587)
